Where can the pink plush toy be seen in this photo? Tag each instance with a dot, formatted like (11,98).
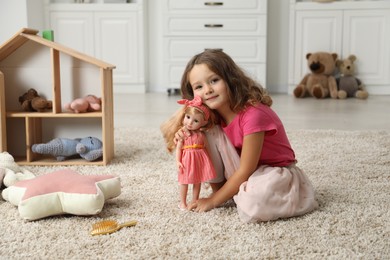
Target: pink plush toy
(88,103)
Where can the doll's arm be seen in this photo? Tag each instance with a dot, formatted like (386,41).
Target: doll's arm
(179,151)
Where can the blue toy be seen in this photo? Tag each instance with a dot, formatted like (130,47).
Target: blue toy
(89,148)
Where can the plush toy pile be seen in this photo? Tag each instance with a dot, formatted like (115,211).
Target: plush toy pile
(323,82)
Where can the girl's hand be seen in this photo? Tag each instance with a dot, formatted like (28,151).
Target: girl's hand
(181,134)
(202,205)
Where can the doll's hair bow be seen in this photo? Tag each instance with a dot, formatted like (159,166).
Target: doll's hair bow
(197,103)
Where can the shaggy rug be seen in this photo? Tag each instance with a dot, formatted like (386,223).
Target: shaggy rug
(349,170)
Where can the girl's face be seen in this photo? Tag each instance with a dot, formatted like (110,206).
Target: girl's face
(209,86)
(194,122)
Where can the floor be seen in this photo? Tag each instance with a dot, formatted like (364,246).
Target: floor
(151,109)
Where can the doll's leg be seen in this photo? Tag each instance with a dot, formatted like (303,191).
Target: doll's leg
(183,196)
(195,191)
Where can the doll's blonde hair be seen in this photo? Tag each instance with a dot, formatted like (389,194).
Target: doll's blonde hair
(175,122)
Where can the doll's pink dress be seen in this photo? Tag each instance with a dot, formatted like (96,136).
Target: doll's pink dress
(197,164)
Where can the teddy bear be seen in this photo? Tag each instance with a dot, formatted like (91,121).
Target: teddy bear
(10,172)
(89,103)
(32,102)
(348,85)
(89,148)
(320,82)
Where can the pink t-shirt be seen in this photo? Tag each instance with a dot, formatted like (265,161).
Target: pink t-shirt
(276,149)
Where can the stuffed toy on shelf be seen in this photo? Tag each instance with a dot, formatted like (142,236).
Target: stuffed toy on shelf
(89,148)
(31,101)
(89,103)
(320,82)
(348,85)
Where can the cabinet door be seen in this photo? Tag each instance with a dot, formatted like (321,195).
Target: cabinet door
(315,31)
(367,35)
(116,42)
(74,30)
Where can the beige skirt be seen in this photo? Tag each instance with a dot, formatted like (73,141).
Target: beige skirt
(270,192)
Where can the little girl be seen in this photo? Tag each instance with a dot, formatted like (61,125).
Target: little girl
(193,162)
(258,164)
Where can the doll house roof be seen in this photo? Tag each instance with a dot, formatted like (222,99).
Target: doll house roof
(25,34)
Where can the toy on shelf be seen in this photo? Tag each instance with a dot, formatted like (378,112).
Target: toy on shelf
(11,172)
(320,82)
(88,148)
(348,85)
(89,103)
(31,101)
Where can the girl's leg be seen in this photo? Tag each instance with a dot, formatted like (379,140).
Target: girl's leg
(223,154)
(275,192)
(183,196)
(216,186)
(212,135)
(195,192)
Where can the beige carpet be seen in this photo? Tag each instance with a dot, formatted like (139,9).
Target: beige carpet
(349,170)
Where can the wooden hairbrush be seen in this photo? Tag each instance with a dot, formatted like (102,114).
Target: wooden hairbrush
(109,226)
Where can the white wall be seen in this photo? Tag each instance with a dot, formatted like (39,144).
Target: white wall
(16,14)
(277,49)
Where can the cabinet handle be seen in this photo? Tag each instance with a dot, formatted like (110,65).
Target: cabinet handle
(213,3)
(216,49)
(213,25)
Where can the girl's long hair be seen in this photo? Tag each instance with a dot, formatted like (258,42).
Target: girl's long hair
(175,122)
(242,90)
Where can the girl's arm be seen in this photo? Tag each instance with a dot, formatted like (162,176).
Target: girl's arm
(181,134)
(250,154)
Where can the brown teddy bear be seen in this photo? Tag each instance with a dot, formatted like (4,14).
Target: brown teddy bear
(31,101)
(348,85)
(320,83)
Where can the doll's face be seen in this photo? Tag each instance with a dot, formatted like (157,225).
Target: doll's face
(194,122)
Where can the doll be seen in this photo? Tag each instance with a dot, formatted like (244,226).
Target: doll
(192,158)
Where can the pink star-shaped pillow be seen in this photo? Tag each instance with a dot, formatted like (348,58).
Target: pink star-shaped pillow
(61,192)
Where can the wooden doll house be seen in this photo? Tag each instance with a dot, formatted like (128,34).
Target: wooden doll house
(60,74)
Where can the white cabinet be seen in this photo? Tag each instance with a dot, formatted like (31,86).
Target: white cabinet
(361,28)
(111,32)
(239,28)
